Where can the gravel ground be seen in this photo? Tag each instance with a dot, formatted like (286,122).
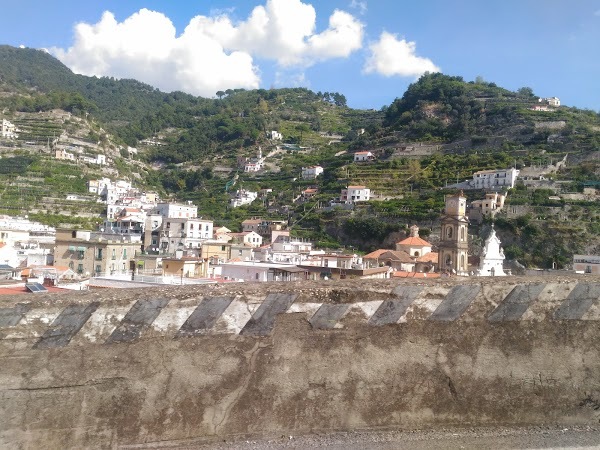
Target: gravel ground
(470,438)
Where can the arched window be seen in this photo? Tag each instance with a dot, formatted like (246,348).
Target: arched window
(448,260)
(462,261)
(417,254)
(449,232)
(462,233)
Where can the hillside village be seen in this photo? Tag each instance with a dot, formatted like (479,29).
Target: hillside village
(284,185)
(143,239)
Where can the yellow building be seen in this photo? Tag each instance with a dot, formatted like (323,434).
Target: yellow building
(90,253)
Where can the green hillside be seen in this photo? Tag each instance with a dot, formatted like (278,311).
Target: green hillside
(440,131)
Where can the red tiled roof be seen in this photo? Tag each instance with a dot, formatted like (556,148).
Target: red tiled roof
(376,253)
(398,255)
(23,290)
(415,241)
(428,257)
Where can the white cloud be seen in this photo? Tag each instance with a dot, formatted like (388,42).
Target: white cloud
(212,53)
(284,31)
(391,56)
(360,5)
(145,47)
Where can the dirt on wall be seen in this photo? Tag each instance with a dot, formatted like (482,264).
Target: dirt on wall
(511,352)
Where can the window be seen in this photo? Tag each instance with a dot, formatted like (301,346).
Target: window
(168,225)
(124,253)
(99,254)
(449,232)
(588,269)
(80,254)
(114,254)
(222,248)
(79,268)
(71,265)
(98,268)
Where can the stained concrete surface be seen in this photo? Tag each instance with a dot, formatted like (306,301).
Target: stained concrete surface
(288,377)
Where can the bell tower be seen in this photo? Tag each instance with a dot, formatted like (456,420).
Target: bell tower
(453,247)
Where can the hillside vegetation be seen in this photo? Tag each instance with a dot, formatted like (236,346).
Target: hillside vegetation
(440,131)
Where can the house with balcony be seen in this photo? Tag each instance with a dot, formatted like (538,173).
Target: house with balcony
(184,234)
(312,172)
(90,253)
(499,179)
(353,194)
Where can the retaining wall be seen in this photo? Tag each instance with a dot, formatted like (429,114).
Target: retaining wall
(120,368)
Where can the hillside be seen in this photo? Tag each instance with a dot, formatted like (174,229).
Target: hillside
(440,131)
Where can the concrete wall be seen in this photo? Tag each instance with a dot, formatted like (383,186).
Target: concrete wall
(107,369)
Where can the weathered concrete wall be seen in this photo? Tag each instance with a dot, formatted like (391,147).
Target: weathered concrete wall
(116,368)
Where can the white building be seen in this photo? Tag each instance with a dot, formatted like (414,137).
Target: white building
(15,230)
(492,258)
(251,238)
(551,101)
(242,197)
(355,194)
(275,135)
(261,272)
(312,172)
(9,131)
(98,159)
(494,179)
(185,234)
(363,156)
(176,210)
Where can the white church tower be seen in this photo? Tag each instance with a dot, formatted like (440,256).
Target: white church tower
(492,258)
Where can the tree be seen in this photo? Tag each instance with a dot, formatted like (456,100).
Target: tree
(525,92)
(220,94)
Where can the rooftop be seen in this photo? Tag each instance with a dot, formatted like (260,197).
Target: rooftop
(414,241)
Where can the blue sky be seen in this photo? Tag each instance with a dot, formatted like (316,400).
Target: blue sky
(367,50)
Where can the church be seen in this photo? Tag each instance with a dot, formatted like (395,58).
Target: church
(453,246)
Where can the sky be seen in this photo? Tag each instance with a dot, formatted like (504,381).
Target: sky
(368,50)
